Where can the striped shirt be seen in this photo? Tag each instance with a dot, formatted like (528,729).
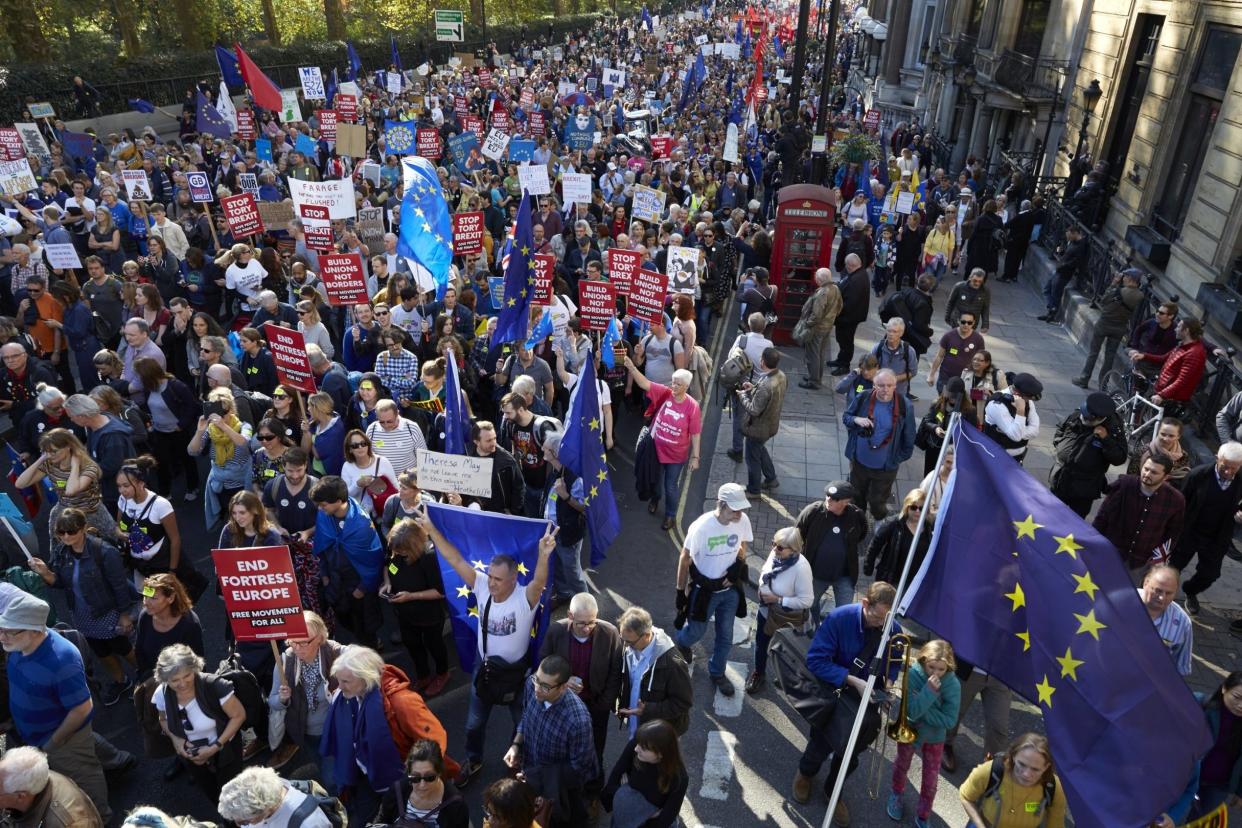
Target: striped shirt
(400,445)
(44,686)
(1177,632)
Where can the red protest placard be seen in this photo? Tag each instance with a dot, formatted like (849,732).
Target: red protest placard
(460,105)
(485,77)
(661,147)
(545,270)
(346,107)
(647,293)
(288,349)
(317,225)
(343,278)
(622,265)
(527,98)
(11,146)
(597,304)
(245,124)
(475,124)
(242,213)
(500,118)
(872,119)
(538,124)
(260,592)
(467,233)
(429,143)
(327,123)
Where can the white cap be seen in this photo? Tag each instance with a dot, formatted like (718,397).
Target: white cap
(734,496)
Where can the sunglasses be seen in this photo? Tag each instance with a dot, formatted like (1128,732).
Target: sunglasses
(205,351)
(358,445)
(429,778)
(266,437)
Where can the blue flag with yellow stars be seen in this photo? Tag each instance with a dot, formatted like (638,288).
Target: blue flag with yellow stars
(582,452)
(1028,591)
(511,322)
(426,234)
(208,119)
(401,137)
(456,420)
(542,330)
(612,335)
(480,536)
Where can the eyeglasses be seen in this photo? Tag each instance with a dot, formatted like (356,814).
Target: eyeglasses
(381,313)
(205,351)
(358,445)
(11,633)
(428,778)
(266,437)
(67,533)
(303,313)
(965,324)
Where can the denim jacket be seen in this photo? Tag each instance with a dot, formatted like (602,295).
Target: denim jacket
(101,578)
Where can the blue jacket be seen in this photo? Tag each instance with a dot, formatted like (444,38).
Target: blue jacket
(932,713)
(838,641)
(901,447)
(350,550)
(101,578)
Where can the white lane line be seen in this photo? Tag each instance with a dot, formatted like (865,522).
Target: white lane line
(731,707)
(743,627)
(718,765)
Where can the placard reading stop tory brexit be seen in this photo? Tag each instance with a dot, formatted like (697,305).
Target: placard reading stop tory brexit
(260,593)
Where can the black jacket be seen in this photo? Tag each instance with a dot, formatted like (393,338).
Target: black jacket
(890,546)
(1196,488)
(603,681)
(855,297)
(508,486)
(664,689)
(1073,259)
(815,521)
(1083,459)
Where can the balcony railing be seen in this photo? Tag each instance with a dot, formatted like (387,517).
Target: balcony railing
(1033,79)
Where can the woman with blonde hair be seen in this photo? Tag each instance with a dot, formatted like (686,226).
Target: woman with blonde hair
(327,431)
(786,592)
(1028,793)
(74,476)
(242,273)
(932,701)
(312,327)
(886,557)
(227,439)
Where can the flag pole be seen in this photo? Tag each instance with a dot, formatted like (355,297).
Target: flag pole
(878,659)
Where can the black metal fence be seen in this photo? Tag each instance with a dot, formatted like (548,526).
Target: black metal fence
(1104,259)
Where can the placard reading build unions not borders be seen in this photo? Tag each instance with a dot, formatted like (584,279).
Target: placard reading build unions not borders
(260,593)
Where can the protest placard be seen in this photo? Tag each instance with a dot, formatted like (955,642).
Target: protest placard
(905,203)
(62,256)
(467,233)
(699,40)
(495,145)
(344,280)
(260,592)
(335,194)
(393,81)
(475,124)
(496,289)
(276,214)
(648,204)
(200,186)
(136,184)
(370,226)
(351,140)
(580,137)
(346,107)
(872,119)
(544,272)
(428,145)
(501,119)
(729,51)
(614,78)
(661,147)
(16,178)
(439,472)
(683,269)
(328,120)
(249,182)
(597,304)
(317,226)
(623,265)
(537,124)
(307,146)
(460,105)
(730,146)
(41,110)
(647,293)
(290,109)
(242,213)
(11,146)
(576,188)
(312,83)
(33,141)
(565,88)
(288,349)
(245,124)
(534,178)
(263,149)
(521,151)
(527,97)
(485,77)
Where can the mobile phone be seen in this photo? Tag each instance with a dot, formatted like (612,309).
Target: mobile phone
(213,407)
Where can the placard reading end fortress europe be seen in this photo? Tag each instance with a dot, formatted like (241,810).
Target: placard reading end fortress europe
(260,593)
(293,366)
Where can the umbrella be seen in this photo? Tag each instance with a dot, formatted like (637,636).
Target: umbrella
(578,99)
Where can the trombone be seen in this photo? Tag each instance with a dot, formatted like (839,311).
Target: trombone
(899,730)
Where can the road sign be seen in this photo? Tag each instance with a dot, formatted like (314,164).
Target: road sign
(450,25)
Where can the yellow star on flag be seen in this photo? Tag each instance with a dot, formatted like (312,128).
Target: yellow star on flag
(463,591)
(1017,596)
(1045,691)
(512,301)
(523,293)
(1067,544)
(526,251)
(602,475)
(1085,584)
(1026,640)
(1088,624)
(522,569)
(594,424)
(1069,665)
(478,566)
(426,227)
(418,211)
(1026,528)
(473,612)
(594,491)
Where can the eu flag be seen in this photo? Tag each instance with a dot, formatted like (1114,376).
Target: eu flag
(426,234)
(480,536)
(542,330)
(582,452)
(230,71)
(647,20)
(401,137)
(142,105)
(514,314)
(778,46)
(612,335)
(77,145)
(208,119)
(1029,592)
(456,420)
(694,79)
(396,58)
(355,62)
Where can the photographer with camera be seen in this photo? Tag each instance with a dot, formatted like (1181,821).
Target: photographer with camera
(1010,417)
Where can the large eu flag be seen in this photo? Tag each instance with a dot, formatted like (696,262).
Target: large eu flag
(1029,592)
(480,536)
(426,228)
(401,137)
(511,322)
(582,452)
(208,119)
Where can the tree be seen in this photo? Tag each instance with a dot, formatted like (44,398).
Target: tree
(190,24)
(269,23)
(334,14)
(126,21)
(25,31)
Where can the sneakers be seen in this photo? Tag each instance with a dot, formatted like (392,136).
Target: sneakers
(437,684)
(114,692)
(754,683)
(469,770)
(724,686)
(735,456)
(948,759)
(1192,604)
(801,788)
(771,484)
(1081,382)
(894,809)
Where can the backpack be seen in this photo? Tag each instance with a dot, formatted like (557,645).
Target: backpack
(317,799)
(737,368)
(246,688)
(895,306)
(102,329)
(997,772)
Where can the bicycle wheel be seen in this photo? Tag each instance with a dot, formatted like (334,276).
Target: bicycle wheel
(1114,384)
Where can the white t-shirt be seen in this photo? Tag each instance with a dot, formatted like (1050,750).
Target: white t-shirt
(281,818)
(350,473)
(202,727)
(508,623)
(159,510)
(245,280)
(603,391)
(713,545)
(561,309)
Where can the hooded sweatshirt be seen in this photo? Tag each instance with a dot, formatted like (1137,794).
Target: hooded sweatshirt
(663,683)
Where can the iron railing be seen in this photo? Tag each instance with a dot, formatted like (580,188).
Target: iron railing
(1104,260)
(1033,79)
(941,151)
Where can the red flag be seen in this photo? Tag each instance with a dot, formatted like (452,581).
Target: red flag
(752,94)
(266,94)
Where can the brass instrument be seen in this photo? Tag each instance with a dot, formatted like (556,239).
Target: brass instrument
(899,730)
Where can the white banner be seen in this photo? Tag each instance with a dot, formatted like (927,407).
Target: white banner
(336,195)
(394,82)
(576,188)
(495,144)
(224,105)
(312,83)
(614,78)
(534,178)
(32,140)
(62,256)
(439,472)
(730,146)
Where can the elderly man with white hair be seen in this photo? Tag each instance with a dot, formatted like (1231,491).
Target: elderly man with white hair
(258,797)
(1213,493)
(271,309)
(897,355)
(34,796)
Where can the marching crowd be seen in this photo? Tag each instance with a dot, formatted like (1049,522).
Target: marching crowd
(151,363)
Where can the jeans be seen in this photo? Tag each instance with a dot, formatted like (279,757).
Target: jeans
(874,487)
(480,712)
(737,414)
(722,605)
(569,580)
(702,320)
(532,502)
(759,468)
(762,640)
(672,473)
(816,354)
(936,271)
(1054,290)
(1109,342)
(842,594)
(364,803)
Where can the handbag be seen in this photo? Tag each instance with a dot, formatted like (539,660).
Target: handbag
(778,618)
(498,681)
(812,698)
(378,500)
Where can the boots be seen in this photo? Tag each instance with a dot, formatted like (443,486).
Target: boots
(802,788)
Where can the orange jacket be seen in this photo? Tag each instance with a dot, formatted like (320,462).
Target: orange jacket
(409,718)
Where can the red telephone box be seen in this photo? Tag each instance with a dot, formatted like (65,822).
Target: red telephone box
(803,243)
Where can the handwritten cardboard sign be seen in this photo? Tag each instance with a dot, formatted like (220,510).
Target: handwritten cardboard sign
(439,472)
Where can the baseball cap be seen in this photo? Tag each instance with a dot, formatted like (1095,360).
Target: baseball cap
(734,496)
(840,490)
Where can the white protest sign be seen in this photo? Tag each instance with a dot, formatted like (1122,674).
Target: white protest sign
(62,256)
(336,194)
(371,172)
(394,82)
(683,269)
(730,147)
(312,83)
(614,78)
(648,204)
(576,188)
(349,88)
(700,40)
(495,144)
(290,109)
(32,140)
(905,203)
(16,177)
(249,182)
(136,184)
(565,88)
(439,472)
(729,51)
(534,178)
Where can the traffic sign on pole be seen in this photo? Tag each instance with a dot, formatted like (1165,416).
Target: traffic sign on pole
(450,25)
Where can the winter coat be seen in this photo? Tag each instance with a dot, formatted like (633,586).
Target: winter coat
(932,713)
(1083,459)
(890,547)
(762,404)
(665,689)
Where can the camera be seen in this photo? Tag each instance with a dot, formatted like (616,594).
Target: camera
(213,407)
(867,432)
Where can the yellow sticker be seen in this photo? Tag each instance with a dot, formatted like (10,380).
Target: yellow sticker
(377,443)
(940,416)
(953,351)
(392,567)
(1032,807)
(148,592)
(858,389)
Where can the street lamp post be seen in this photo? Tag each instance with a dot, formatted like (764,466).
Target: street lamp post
(1090,98)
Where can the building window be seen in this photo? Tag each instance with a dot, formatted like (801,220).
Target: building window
(975,22)
(926,39)
(987,33)
(1031,25)
(1143,50)
(1207,92)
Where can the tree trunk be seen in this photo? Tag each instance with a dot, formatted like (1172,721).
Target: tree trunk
(189,24)
(477,10)
(128,25)
(334,14)
(25,32)
(269,23)
(558,8)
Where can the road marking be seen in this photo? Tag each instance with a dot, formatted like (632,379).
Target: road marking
(742,627)
(731,706)
(718,765)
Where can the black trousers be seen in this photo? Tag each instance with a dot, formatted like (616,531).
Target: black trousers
(830,740)
(1210,556)
(422,641)
(169,448)
(845,343)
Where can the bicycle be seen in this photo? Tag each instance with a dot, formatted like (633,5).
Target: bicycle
(1139,415)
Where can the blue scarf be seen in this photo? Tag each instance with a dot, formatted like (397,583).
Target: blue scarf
(358,731)
(779,565)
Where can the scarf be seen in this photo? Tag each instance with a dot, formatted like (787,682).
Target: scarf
(357,730)
(221,443)
(779,565)
(312,678)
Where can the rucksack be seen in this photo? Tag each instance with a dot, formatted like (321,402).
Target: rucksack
(737,369)
(317,799)
(246,688)
(997,773)
(895,306)
(103,330)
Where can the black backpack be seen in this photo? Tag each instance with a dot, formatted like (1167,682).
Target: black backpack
(246,688)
